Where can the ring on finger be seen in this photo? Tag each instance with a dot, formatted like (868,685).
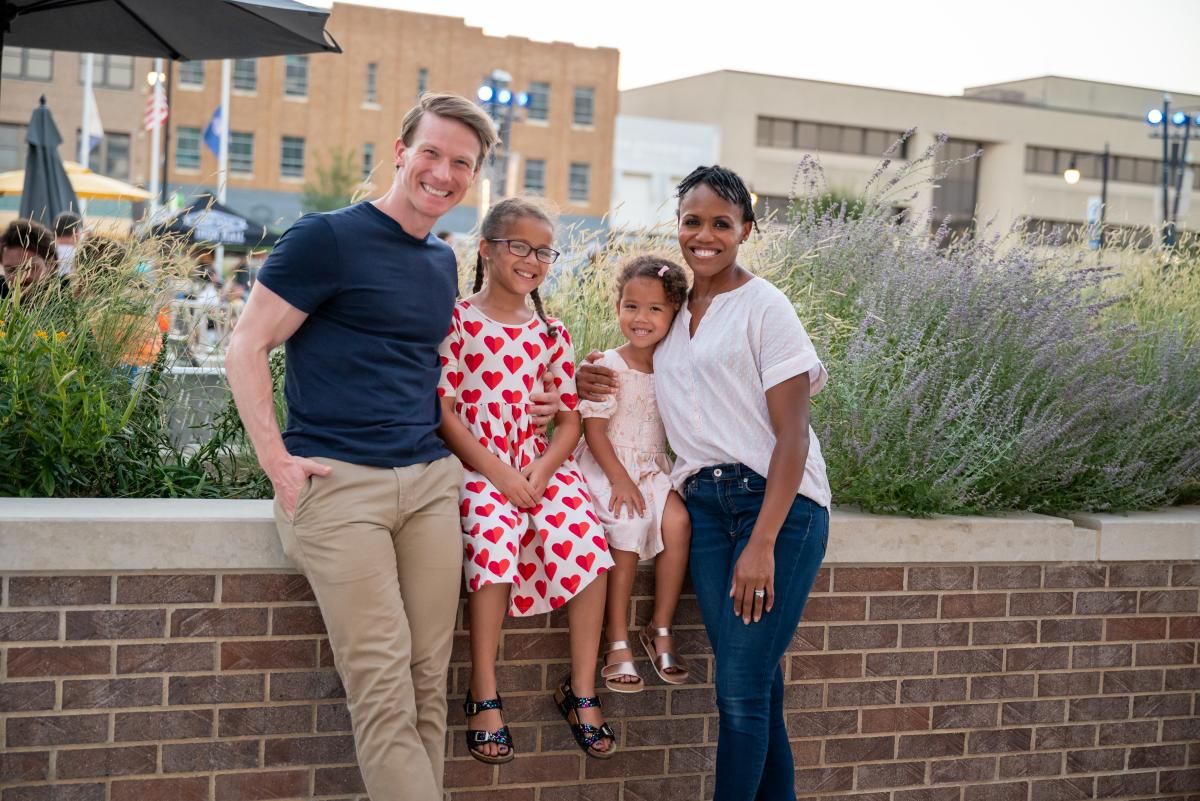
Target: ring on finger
(760,593)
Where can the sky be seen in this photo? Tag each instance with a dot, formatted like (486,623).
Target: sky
(938,48)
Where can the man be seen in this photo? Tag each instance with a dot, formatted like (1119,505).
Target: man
(68,231)
(366,494)
(27,257)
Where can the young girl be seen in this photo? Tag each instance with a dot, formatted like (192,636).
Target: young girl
(628,472)
(531,540)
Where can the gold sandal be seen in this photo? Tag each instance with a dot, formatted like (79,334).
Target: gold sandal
(666,660)
(610,673)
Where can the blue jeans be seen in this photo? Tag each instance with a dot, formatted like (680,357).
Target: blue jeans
(754,758)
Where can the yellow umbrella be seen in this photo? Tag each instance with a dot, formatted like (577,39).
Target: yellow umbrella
(87,184)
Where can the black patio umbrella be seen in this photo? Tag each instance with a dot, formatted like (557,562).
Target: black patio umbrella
(177,29)
(204,221)
(47,192)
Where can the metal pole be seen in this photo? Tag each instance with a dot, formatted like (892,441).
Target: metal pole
(155,133)
(223,154)
(1103,192)
(1166,170)
(166,136)
(86,127)
(1180,169)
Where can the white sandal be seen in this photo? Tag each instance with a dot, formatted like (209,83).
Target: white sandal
(610,673)
(666,660)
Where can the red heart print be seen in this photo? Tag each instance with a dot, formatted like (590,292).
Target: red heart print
(557,382)
(579,529)
(483,441)
(508,521)
(444,360)
(532,349)
(570,583)
(512,396)
(475,583)
(481,558)
(600,542)
(441,392)
(492,378)
(592,516)
(551,569)
(547,340)
(472,413)
(557,601)
(526,569)
(494,344)
(513,333)
(486,426)
(540,586)
(569,369)
(493,409)
(498,567)
(528,380)
(550,493)
(565,478)
(471,395)
(473,360)
(522,603)
(574,502)
(541,553)
(472,327)
(456,347)
(469,549)
(586,562)
(464,508)
(556,520)
(537,507)
(512,547)
(527,537)
(562,549)
(567,399)
(501,444)
(493,534)
(475,530)
(485,510)
(512,362)
(499,498)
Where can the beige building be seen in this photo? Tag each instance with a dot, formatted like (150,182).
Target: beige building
(1029,131)
(289,115)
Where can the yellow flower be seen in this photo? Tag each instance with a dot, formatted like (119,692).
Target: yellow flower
(3,335)
(41,335)
(60,336)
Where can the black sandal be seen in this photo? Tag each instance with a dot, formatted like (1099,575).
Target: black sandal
(586,735)
(478,737)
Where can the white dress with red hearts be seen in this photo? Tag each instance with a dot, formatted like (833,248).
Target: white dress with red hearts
(549,552)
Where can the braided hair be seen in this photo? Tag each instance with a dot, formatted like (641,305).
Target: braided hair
(495,224)
(727,185)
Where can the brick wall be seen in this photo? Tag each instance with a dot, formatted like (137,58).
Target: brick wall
(920,683)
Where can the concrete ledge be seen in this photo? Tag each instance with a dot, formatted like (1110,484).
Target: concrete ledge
(1172,533)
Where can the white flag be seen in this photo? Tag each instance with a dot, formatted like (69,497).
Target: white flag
(95,131)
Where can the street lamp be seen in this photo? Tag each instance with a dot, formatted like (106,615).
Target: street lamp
(501,104)
(1174,157)
(1096,211)
(1071,173)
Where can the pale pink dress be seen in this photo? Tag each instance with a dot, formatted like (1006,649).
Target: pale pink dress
(636,432)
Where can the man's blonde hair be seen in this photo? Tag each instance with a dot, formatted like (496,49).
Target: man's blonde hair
(452,107)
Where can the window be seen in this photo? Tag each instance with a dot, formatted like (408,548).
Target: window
(187,148)
(1122,169)
(241,152)
(108,72)
(585,101)
(799,135)
(539,101)
(245,74)
(29,63)
(368,162)
(191,73)
(422,82)
(577,188)
(291,159)
(535,176)
(295,76)
(115,155)
(12,147)
(372,83)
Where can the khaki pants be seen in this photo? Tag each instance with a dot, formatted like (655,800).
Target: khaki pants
(382,550)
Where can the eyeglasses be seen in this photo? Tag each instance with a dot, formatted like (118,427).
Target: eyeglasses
(521,249)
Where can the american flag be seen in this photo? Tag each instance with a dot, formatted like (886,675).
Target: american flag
(156,111)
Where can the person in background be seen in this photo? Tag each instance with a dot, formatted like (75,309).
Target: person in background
(68,233)
(446,237)
(27,257)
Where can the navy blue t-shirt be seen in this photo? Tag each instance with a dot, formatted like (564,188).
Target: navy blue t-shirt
(363,368)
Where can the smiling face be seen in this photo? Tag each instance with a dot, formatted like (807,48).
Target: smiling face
(518,275)
(23,267)
(644,312)
(710,230)
(436,170)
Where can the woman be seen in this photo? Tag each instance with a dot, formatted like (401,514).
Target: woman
(733,379)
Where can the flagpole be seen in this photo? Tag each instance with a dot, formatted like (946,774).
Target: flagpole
(223,155)
(155,134)
(85,129)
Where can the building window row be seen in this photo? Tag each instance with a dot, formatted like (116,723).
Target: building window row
(108,71)
(110,156)
(188,142)
(245,74)
(29,63)
(1125,169)
(12,147)
(368,161)
(579,180)
(583,104)
(828,138)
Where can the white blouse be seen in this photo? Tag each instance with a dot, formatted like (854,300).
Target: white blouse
(712,387)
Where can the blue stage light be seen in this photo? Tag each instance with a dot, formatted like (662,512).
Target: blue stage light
(485,94)
(1154,116)
(504,97)
(1179,118)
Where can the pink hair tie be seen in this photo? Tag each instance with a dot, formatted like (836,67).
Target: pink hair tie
(663,270)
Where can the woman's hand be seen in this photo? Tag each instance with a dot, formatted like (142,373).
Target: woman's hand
(543,406)
(755,570)
(594,383)
(537,474)
(516,487)
(626,493)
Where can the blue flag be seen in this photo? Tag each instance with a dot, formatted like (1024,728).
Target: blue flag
(212,134)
